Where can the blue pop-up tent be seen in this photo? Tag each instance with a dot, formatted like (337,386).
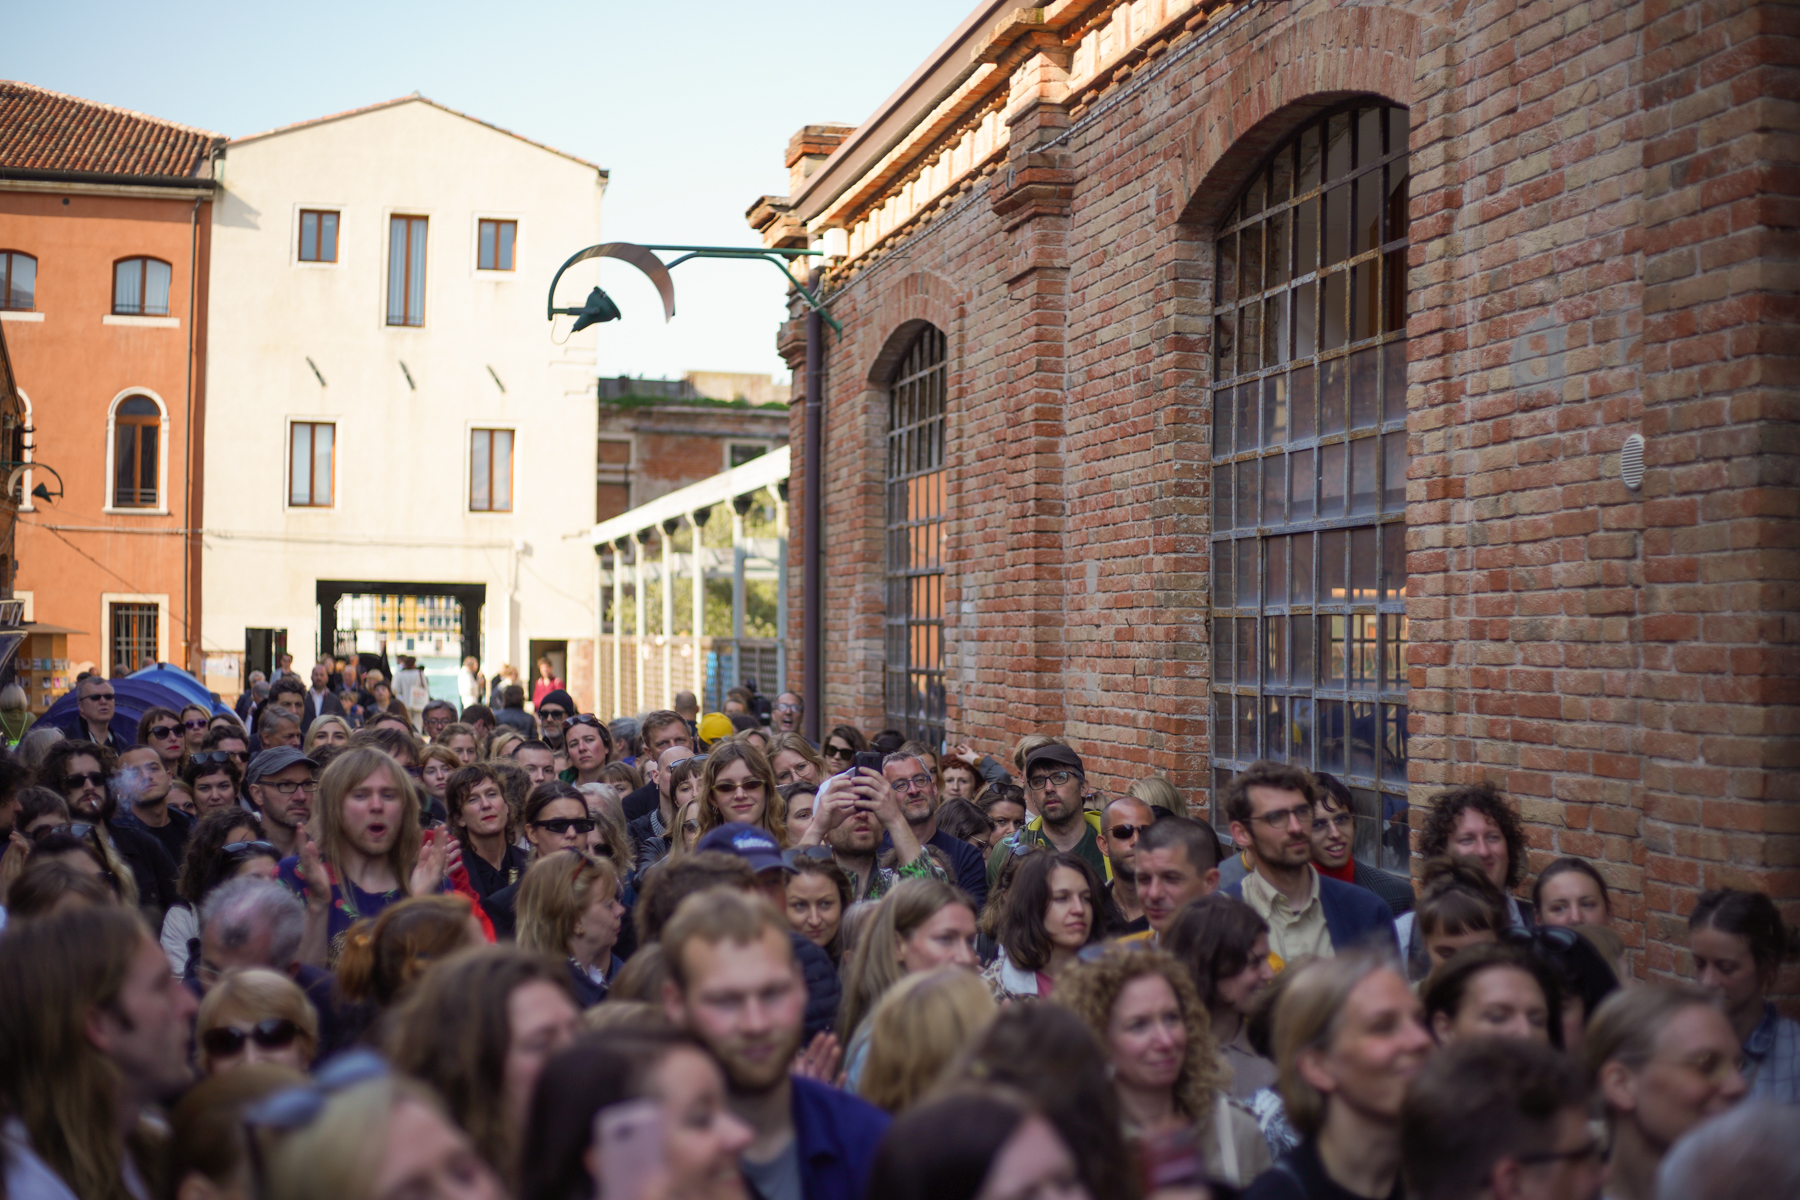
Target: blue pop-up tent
(153,687)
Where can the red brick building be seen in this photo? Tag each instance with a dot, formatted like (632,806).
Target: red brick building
(659,435)
(1221,381)
(105,232)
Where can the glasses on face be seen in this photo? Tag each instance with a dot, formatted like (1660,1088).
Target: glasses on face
(276,1033)
(76,829)
(602,851)
(561,825)
(690,827)
(1281,820)
(211,758)
(98,697)
(1124,833)
(843,752)
(1588,1151)
(1058,778)
(917,783)
(193,726)
(163,731)
(750,787)
(84,779)
(288,787)
(552,714)
(1338,821)
(787,708)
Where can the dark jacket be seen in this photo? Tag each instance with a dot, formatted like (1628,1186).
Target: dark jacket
(1300,1175)
(150,865)
(1354,916)
(639,803)
(649,846)
(1394,889)
(837,1135)
(519,719)
(587,992)
(332,707)
(823,988)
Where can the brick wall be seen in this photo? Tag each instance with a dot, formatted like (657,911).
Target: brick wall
(1602,243)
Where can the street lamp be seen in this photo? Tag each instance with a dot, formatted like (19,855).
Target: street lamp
(600,307)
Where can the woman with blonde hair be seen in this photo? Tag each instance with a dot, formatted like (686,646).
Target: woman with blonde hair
(793,760)
(569,908)
(501,743)
(1349,1036)
(924,1023)
(921,925)
(327,730)
(1159,794)
(15,713)
(1142,1006)
(256,1016)
(380,1137)
(739,785)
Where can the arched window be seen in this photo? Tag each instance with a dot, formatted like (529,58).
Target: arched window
(1309,467)
(141,287)
(18,280)
(137,446)
(915,541)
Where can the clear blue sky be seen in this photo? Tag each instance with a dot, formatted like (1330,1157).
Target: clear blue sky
(690,107)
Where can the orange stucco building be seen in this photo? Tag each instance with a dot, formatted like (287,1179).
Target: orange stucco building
(105,223)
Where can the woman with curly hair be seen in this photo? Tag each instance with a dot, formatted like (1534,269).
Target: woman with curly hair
(1157,1035)
(1473,824)
(225,845)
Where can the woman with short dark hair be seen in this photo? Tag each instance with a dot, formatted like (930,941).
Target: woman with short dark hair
(1225,946)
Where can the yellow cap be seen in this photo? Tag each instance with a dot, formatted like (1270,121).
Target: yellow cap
(715,727)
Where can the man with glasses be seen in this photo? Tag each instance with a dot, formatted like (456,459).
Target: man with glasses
(436,717)
(94,700)
(78,771)
(1057,781)
(908,773)
(588,744)
(1492,1118)
(789,709)
(1334,831)
(1271,808)
(849,815)
(282,786)
(553,708)
(1122,823)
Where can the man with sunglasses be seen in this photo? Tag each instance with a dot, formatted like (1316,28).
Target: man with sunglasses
(1121,824)
(553,708)
(1494,1119)
(652,833)
(94,709)
(587,742)
(1271,808)
(282,786)
(78,771)
(1056,779)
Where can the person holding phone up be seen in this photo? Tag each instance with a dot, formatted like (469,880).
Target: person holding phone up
(850,814)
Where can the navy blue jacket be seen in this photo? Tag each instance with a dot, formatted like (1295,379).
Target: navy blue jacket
(823,988)
(1354,916)
(837,1134)
(968,869)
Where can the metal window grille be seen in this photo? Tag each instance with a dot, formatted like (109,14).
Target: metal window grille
(914,676)
(1309,468)
(133,633)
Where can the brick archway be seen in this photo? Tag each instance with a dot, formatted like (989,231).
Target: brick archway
(919,298)
(1310,65)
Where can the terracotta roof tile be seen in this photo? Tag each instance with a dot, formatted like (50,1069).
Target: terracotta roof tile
(49,131)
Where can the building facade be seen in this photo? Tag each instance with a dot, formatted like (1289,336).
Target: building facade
(105,230)
(402,444)
(652,442)
(1396,389)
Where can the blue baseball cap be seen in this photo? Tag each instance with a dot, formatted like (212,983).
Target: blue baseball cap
(752,843)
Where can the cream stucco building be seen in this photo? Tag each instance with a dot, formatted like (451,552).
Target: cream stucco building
(397,450)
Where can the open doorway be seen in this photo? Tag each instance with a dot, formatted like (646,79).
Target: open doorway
(557,652)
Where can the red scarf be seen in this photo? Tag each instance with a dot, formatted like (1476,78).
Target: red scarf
(1343,874)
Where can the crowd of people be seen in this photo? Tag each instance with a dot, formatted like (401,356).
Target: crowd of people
(343,945)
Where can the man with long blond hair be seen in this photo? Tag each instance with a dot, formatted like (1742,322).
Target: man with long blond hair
(371,851)
(93,1031)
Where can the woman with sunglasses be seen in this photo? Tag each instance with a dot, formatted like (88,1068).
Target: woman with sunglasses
(841,747)
(555,818)
(195,718)
(215,779)
(569,908)
(160,729)
(255,1016)
(224,846)
(739,785)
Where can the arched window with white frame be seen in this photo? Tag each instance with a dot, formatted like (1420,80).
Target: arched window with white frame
(135,452)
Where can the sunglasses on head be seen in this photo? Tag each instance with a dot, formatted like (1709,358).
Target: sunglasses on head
(211,758)
(591,720)
(246,849)
(567,824)
(276,1033)
(74,829)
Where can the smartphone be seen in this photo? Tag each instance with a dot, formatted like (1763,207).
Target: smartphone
(629,1137)
(866,758)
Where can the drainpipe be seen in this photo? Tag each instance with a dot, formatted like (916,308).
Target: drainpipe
(187,421)
(812,573)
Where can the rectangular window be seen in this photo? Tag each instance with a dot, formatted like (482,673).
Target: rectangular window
(406,271)
(495,252)
(141,287)
(916,510)
(490,470)
(18,280)
(133,633)
(318,235)
(311,449)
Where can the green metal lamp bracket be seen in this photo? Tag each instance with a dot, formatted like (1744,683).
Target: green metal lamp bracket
(658,271)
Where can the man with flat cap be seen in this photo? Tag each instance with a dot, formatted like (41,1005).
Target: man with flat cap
(281,783)
(1056,782)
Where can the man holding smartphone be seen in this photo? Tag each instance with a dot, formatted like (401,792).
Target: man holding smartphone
(908,772)
(735,985)
(850,814)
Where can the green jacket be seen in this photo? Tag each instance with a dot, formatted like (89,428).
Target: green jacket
(1033,834)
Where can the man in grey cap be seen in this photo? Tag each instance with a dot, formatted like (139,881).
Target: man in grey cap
(1057,780)
(281,784)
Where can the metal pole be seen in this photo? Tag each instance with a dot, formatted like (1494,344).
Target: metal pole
(812,580)
(739,506)
(618,595)
(643,539)
(668,612)
(781,589)
(699,601)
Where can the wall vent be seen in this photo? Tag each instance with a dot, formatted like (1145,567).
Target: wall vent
(1631,462)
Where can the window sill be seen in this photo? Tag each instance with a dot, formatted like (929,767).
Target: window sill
(14,314)
(110,511)
(145,322)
